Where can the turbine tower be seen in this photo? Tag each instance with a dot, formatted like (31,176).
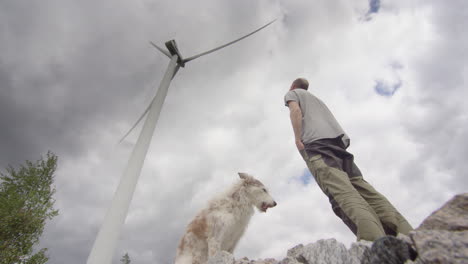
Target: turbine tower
(106,240)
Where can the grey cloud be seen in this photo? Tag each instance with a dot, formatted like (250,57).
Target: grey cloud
(58,94)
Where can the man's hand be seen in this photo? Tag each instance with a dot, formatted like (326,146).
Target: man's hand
(299,145)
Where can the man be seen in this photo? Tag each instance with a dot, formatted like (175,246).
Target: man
(322,143)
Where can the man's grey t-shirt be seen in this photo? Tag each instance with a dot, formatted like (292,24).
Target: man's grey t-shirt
(317,120)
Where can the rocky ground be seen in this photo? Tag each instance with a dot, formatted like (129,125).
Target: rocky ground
(441,238)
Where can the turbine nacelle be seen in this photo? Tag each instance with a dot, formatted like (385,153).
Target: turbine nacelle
(171,45)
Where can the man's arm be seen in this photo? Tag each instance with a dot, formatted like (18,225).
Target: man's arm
(295,114)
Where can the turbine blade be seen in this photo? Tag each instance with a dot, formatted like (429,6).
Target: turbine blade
(146,110)
(136,123)
(227,44)
(161,50)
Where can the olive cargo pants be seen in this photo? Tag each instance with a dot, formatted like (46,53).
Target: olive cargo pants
(365,211)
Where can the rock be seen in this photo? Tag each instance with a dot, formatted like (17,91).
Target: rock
(260,261)
(408,241)
(440,246)
(221,257)
(359,252)
(244,260)
(295,251)
(289,260)
(389,250)
(324,251)
(443,236)
(417,261)
(328,251)
(267,261)
(453,216)
(405,238)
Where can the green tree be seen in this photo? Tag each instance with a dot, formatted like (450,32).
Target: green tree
(125,259)
(26,202)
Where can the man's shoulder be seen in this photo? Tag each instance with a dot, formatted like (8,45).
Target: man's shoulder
(300,95)
(303,93)
(298,91)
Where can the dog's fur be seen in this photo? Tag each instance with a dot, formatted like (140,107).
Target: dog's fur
(221,224)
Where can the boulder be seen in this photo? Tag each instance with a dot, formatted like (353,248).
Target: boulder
(389,250)
(441,246)
(453,216)
(329,251)
(289,260)
(360,252)
(322,252)
(443,236)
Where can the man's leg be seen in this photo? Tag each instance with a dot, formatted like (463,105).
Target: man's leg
(346,202)
(392,221)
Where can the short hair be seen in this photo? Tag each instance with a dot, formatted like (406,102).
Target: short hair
(301,83)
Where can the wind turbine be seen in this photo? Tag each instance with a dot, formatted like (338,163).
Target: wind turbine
(106,240)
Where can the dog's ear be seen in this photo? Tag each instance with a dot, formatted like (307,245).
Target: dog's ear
(243,175)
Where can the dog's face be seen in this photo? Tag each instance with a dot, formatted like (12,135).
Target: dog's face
(257,192)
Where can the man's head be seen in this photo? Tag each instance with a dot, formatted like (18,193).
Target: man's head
(301,83)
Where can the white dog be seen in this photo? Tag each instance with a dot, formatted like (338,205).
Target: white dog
(221,224)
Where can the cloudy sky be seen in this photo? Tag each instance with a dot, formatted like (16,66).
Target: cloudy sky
(75,76)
